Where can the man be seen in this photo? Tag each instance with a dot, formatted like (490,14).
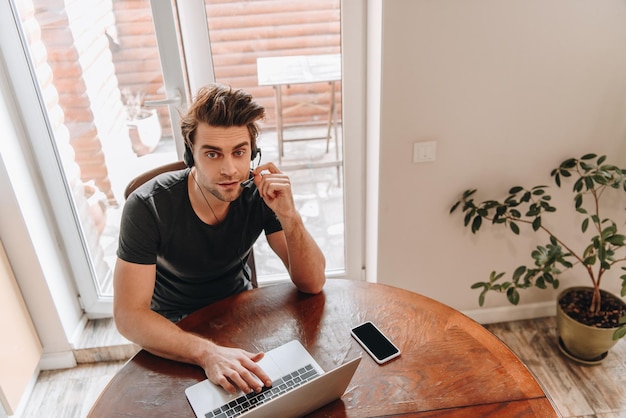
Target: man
(185,236)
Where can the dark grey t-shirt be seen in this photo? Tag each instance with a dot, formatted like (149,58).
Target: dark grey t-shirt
(196,263)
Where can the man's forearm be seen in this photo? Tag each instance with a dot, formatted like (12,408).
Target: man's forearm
(306,261)
(163,338)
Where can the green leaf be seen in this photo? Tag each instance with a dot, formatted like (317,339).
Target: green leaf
(468,217)
(468,193)
(456,205)
(537,223)
(533,210)
(540,283)
(585,225)
(619,333)
(588,157)
(578,200)
(514,228)
(586,167)
(616,239)
(601,178)
(569,163)
(518,272)
(590,261)
(481,298)
(608,231)
(512,295)
(515,190)
(578,185)
(478,220)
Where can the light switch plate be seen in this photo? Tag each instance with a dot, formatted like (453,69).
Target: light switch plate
(424,151)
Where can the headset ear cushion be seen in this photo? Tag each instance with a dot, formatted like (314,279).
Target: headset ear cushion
(188,156)
(256,152)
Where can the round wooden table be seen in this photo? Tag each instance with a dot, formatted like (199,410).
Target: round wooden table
(450,365)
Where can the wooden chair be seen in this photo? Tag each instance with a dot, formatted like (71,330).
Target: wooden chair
(179,165)
(144,177)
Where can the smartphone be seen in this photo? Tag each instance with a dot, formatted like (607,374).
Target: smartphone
(375,342)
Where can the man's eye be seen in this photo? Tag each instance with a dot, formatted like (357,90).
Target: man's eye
(211,155)
(240,153)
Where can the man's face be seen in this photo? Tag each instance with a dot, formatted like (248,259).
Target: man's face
(222,159)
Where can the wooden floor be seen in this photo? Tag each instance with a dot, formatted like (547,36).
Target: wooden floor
(577,390)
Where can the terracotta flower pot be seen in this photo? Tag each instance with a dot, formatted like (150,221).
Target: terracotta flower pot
(583,343)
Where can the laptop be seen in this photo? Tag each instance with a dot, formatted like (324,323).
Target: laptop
(300,386)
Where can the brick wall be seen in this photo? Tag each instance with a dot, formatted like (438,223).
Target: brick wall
(63,56)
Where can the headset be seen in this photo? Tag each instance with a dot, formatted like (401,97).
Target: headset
(188,155)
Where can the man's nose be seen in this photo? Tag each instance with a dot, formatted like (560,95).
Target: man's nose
(228,166)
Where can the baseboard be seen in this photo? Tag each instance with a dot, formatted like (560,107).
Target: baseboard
(53,361)
(78,331)
(512,313)
(19,412)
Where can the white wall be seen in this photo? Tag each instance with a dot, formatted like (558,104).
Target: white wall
(19,358)
(508,90)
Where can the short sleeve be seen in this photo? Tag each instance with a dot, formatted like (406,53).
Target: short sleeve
(139,232)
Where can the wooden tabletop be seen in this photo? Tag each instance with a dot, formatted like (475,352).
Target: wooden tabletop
(450,365)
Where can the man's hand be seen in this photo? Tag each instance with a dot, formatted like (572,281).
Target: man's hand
(233,368)
(275,189)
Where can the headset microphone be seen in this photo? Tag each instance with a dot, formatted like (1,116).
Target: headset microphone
(256,152)
(247,182)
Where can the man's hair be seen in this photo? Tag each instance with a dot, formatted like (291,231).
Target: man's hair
(222,106)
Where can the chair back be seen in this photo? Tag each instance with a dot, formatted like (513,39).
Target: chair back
(144,177)
(175,166)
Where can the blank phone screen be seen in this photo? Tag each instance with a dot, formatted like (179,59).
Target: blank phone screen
(377,343)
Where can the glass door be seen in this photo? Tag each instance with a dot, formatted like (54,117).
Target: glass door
(97,69)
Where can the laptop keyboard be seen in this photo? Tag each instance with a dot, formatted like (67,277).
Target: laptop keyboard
(252,400)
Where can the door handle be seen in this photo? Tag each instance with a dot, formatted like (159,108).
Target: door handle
(176,100)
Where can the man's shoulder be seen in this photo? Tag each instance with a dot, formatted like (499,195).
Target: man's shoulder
(164,184)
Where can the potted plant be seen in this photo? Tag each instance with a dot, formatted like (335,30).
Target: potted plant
(144,126)
(601,314)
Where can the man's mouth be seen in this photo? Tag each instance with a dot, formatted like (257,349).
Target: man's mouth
(228,183)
